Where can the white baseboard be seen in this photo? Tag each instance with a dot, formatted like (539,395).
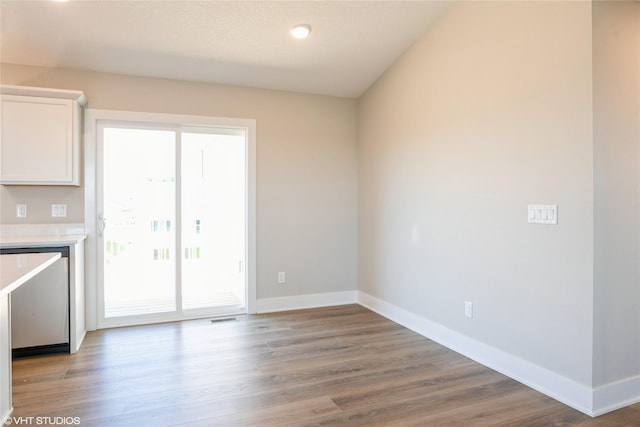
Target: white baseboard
(563,389)
(616,395)
(298,302)
(592,402)
(5,417)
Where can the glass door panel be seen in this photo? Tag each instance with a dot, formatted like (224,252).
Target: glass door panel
(139,238)
(213,192)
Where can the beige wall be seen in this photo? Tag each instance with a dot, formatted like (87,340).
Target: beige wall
(306,169)
(498,105)
(616,82)
(488,112)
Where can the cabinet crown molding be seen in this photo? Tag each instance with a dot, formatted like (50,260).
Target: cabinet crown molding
(74,95)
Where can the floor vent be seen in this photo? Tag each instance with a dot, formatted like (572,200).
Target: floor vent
(223,319)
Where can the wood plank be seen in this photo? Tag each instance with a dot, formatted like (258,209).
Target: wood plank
(285,414)
(331,366)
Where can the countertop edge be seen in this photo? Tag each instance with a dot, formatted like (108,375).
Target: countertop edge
(16,282)
(40,241)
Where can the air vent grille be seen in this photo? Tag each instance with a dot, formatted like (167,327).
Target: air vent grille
(223,319)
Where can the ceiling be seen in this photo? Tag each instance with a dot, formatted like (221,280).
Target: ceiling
(231,42)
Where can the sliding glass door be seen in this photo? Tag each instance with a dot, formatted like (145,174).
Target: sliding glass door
(139,235)
(173,215)
(213,224)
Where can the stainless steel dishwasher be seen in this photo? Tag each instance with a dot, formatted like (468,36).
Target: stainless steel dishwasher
(40,307)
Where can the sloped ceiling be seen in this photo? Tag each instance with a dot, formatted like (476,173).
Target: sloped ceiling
(230,42)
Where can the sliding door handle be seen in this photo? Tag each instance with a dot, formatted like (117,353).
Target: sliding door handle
(102,224)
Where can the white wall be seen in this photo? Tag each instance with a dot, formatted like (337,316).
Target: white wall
(616,73)
(306,169)
(488,112)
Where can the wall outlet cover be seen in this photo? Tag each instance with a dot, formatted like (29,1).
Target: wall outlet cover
(21,211)
(58,211)
(468,309)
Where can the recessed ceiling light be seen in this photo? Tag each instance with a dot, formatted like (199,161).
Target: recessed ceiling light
(300,31)
(62,1)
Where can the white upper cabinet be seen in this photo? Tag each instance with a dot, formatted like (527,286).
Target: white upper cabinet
(40,136)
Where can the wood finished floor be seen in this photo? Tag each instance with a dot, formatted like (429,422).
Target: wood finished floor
(332,366)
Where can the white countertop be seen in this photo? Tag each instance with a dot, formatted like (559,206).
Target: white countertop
(45,240)
(39,235)
(17,269)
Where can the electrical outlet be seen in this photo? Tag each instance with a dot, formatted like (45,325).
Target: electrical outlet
(21,211)
(468,309)
(281,277)
(58,211)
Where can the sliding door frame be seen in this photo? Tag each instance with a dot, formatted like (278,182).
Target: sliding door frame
(93,119)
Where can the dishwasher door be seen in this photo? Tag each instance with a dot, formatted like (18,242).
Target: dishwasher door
(40,308)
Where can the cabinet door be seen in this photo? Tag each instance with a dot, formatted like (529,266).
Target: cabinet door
(39,145)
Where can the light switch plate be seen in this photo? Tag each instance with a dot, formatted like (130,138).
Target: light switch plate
(542,214)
